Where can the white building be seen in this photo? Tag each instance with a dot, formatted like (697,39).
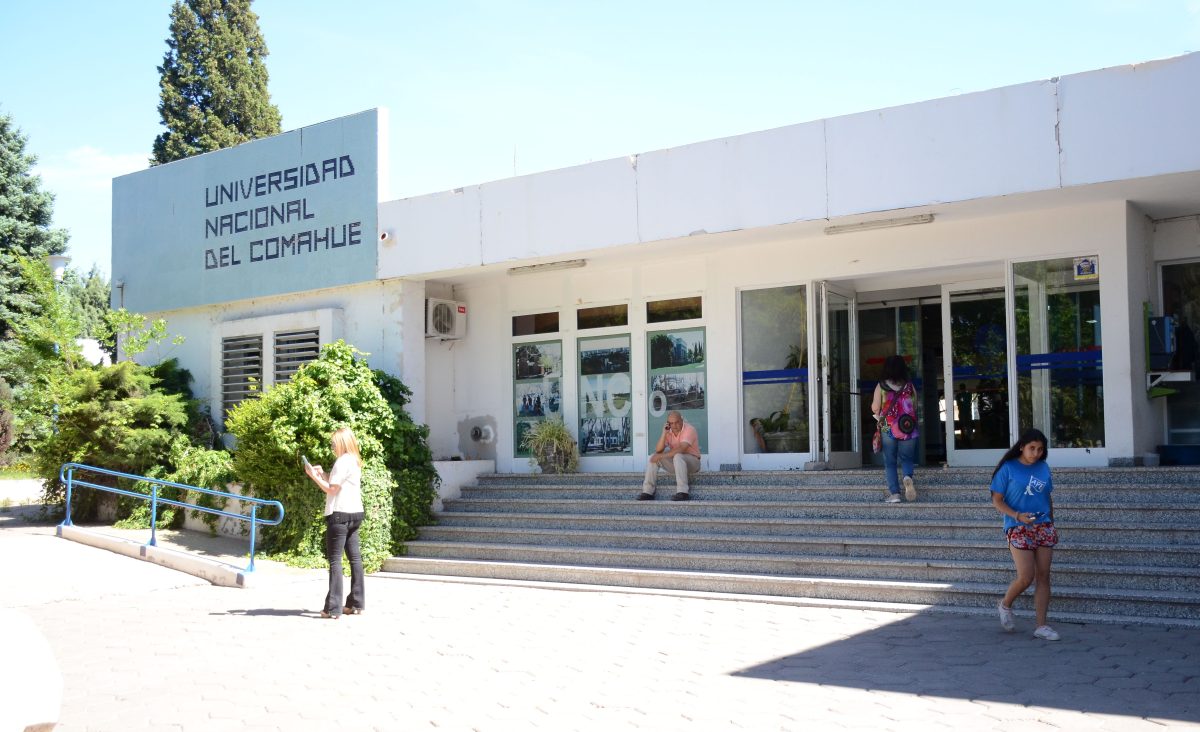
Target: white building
(1009,243)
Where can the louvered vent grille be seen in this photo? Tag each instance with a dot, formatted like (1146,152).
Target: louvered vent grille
(293,349)
(241,370)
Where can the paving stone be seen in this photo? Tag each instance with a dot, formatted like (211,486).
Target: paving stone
(443,655)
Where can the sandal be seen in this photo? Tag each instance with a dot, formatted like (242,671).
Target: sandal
(352,610)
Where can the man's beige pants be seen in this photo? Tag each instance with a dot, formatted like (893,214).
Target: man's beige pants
(681,466)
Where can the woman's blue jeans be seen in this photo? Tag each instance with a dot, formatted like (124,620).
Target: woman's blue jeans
(341,535)
(893,449)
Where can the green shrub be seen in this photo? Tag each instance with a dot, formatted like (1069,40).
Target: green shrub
(410,460)
(112,417)
(296,418)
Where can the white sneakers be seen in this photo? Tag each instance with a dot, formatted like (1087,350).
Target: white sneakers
(1045,632)
(910,490)
(892,498)
(1006,617)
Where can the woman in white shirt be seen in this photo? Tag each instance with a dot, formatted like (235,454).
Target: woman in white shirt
(343,517)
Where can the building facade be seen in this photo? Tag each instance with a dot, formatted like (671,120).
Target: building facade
(1019,247)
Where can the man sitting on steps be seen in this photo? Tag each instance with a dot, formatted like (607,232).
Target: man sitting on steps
(678,453)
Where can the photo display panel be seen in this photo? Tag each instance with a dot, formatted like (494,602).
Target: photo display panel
(537,387)
(605,391)
(677,379)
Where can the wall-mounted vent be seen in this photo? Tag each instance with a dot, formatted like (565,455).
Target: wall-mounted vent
(445,318)
(241,370)
(293,349)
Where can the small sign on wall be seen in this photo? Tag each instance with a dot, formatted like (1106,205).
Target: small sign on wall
(1087,268)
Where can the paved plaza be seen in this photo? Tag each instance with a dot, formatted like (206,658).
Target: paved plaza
(141,647)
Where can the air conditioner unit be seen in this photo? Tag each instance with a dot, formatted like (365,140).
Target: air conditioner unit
(445,318)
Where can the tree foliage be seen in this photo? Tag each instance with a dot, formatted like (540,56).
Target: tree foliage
(40,354)
(213,83)
(6,419)
(296,418)
(25,215)
(89,297)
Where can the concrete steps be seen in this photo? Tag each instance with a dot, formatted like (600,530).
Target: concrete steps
(1130,538)
(865,547)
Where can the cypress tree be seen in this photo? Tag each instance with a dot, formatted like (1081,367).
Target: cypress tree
(213,80)
(25,214)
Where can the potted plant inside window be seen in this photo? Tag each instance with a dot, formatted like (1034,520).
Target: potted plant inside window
(551,447)
(781,429)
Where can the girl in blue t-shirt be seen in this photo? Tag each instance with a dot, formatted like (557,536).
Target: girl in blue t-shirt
(1021,489)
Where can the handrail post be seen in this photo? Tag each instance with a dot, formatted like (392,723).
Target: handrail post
(253,525)
(154,515)
(70,476)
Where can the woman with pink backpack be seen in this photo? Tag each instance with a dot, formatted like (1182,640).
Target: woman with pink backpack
(895,410)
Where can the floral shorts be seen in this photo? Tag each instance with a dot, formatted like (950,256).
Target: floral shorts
(1032,536)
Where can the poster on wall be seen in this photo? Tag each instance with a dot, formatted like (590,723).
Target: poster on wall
(537,387)
(605,390)
(678,381)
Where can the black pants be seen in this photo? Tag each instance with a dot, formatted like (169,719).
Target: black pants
(341,533)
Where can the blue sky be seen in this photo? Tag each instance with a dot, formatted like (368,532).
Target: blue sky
(481,90)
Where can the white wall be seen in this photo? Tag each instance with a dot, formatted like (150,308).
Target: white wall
(950,249)
(1130,121)
(1175,240)
(371,318)
(1115,124)
(1147,417)
(955,149)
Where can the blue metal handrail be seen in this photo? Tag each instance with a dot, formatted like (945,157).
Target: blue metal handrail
(67,475)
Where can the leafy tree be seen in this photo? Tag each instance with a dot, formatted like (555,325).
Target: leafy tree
(6,419)
(89,296)
(25,214)
(40,353)
(213,85)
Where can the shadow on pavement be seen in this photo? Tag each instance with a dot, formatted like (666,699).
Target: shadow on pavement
(271,612)
(1096,668)
(32,515)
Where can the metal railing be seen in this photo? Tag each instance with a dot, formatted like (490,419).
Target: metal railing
(67,475)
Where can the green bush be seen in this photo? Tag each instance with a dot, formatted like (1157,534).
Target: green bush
(410,460)
(296,418)
(112,417)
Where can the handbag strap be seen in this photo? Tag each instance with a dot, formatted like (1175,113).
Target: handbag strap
(893,403)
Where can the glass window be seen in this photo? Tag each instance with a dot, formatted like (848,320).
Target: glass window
(682,308)
(677,378)
(605,387)
(605,316)
(1059,366)
(774,330)
(1181,299)
(537,387)
(535,324)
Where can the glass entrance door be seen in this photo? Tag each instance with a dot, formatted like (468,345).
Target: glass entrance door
(975,353)
(911,329)
(839,404)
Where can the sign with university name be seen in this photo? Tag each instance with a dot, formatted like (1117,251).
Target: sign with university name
(288,213)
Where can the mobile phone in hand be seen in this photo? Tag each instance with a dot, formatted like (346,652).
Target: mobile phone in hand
(307,464)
